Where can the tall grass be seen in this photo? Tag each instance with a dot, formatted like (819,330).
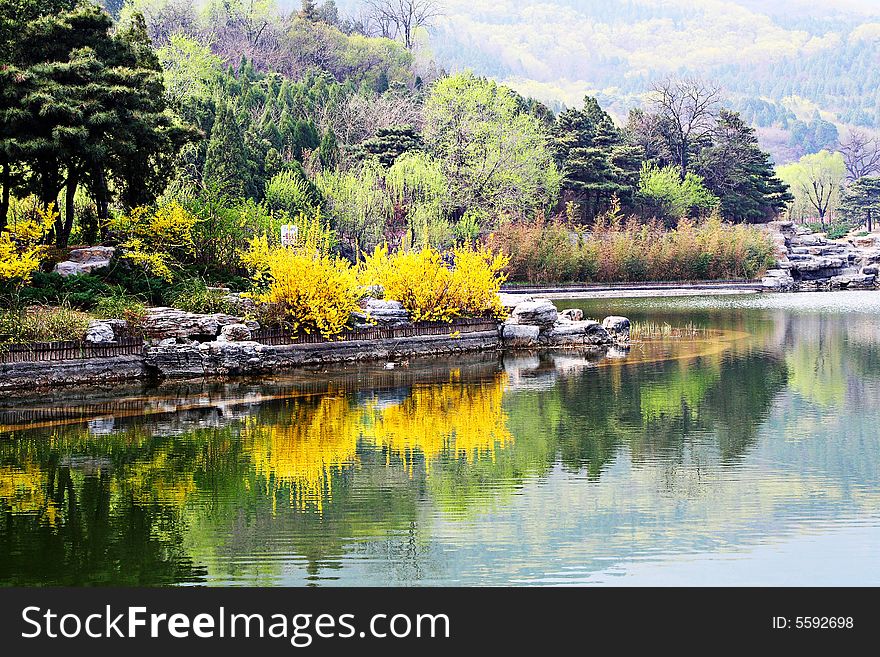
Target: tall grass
(24,324)
(618,250)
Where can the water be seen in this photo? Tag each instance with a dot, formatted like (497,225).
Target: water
(749,454)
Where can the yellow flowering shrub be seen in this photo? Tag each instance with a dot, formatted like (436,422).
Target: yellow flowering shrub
(432,291)
(306,290)
(150,239)
(21,251)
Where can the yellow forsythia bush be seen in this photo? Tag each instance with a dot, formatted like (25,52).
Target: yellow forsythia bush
(307,290)
(151,238)
(21,251)
(432,291)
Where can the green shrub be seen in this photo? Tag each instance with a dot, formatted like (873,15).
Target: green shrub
(81,291)
(194,296)
(25,324)
(122,306)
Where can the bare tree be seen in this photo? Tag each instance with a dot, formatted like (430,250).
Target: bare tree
(401,18)
(861,155)
(687,108)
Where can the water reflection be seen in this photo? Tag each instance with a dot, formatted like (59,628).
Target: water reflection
(543,468)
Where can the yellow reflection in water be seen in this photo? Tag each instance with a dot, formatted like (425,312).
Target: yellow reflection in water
(302,452)
(25,489)
(450,418)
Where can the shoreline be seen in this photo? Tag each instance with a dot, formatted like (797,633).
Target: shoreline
(635,290)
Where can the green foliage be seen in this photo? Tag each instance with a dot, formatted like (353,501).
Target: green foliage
(22,324)
(388,144)
(597,163)
(860,203)
(193,295)
(740,173)
(494,156)
(815,182)
(357,203)
(119,305)
(292,192)
(668,198)
(82,292)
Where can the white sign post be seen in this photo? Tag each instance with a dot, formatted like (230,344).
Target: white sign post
(288,234)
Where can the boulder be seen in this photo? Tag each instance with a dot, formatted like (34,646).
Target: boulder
(519,335)
(870,270)
(161,323)
(235,333)
(777,280)
(585,332)
(85,260)
(617,327)
(383,312)
(540,312)
(509,300)
(100,331)
(239,303)
(572,314)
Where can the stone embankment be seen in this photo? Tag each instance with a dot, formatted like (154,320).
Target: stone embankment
(808,262)
(179,344)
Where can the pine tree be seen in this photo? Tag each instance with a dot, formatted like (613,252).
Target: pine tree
(736,170)
(226,163)
(860,202)
(329,150)
(597,165)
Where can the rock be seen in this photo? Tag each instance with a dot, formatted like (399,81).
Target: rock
(119,326)
(866,242)
(777,280)
(235,333)
(85,260)
(852,282)
(381,312)
(585,332)
(161,323)
(540,312)
(519,335)
(871,270)
(573,314)
(239,303)
(509,300)
(100,331)
(381,304)
(617,327)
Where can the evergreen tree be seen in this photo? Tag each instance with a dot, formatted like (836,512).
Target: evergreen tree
(90,107)
(736,170)
(390,143)
(860,202)
(226,164)
(328,151)
(597,164)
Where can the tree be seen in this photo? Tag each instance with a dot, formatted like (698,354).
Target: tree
(815,181)
(227,169)
(91,107)
(861,155)
(495,158)
(597,164)
(388,144)
(328,151)
(401,18)
(667,197)
(686,109)
(736,170)
(860,201)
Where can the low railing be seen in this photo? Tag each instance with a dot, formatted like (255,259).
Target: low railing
(279,336)
(69,350)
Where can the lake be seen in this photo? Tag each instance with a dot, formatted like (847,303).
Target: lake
(745,451)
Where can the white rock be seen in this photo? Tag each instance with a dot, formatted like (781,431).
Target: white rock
(617,327)
(99,331)
(235,333)
(540,312)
